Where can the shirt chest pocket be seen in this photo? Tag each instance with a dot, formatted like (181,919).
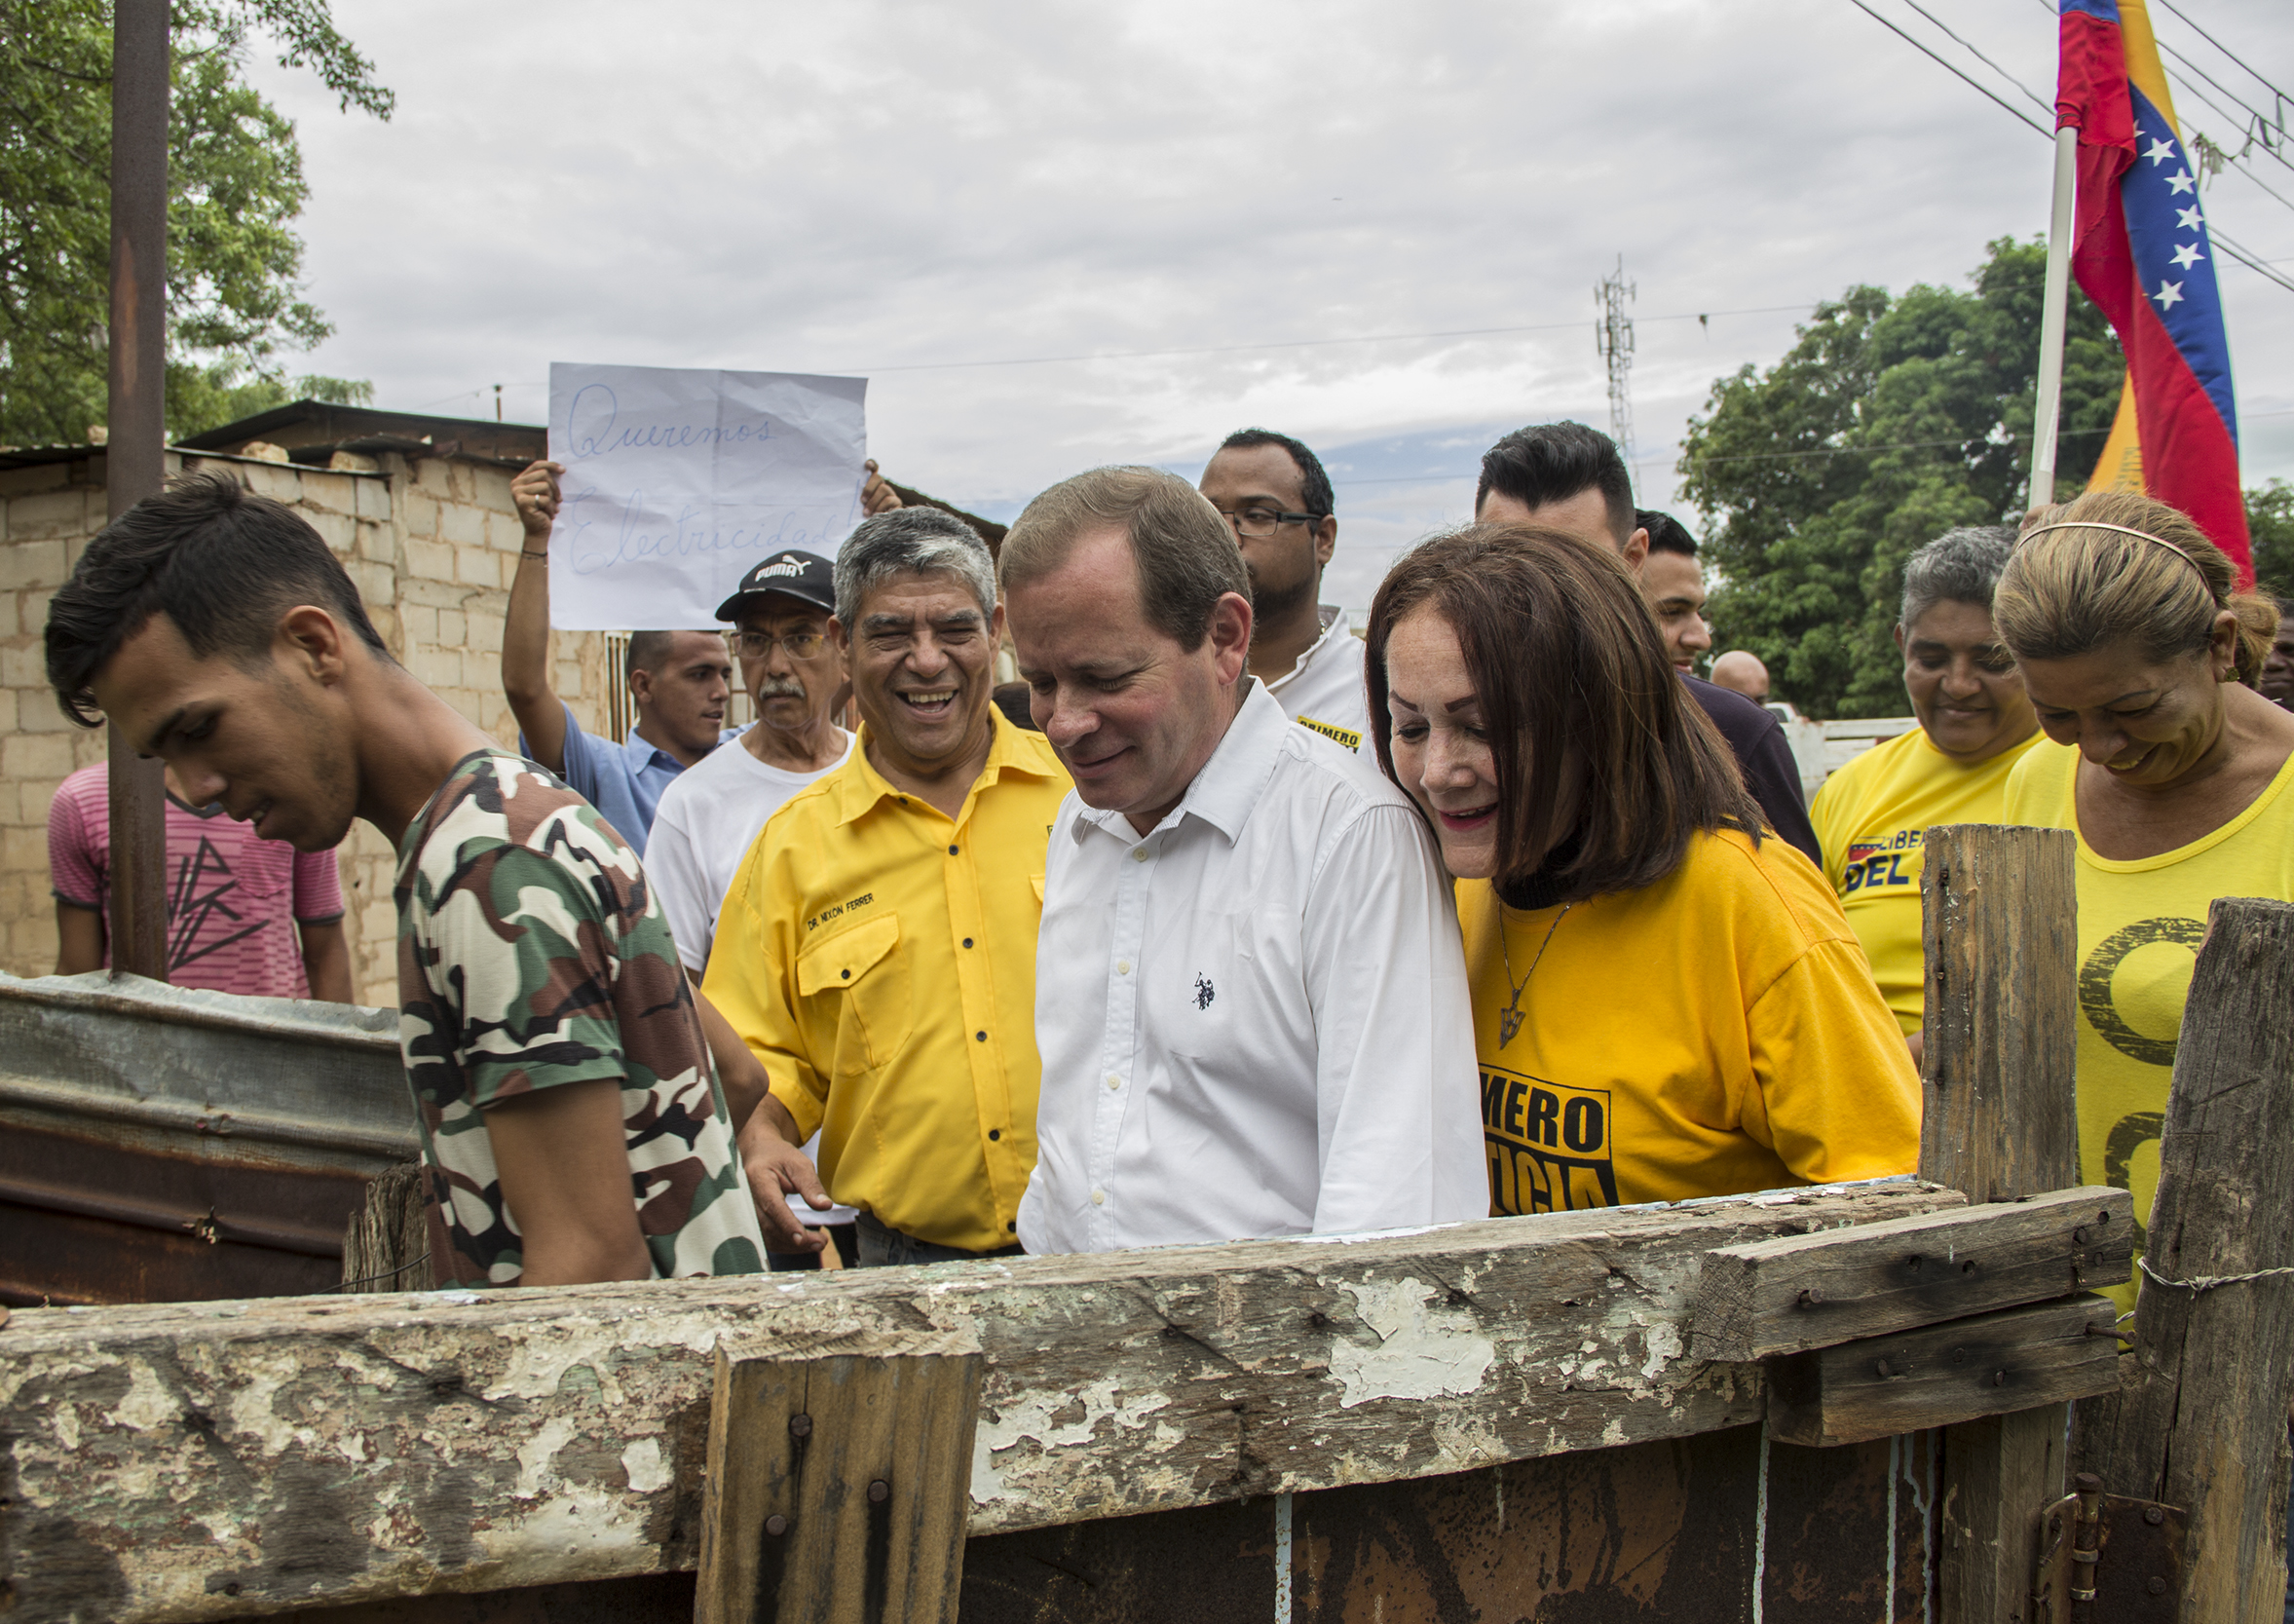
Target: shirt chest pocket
(865,972)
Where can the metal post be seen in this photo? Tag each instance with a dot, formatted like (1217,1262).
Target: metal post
(135,446)
(2047,417)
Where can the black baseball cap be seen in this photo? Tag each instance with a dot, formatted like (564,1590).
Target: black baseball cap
(800,575)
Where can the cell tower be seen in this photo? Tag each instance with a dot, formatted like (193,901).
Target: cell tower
(1613,337)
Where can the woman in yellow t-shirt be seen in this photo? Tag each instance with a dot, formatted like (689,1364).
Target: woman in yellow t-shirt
(1667,1002)
(2137,648)
(1975,724)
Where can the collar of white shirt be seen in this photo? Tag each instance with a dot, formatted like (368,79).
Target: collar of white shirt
(1333,626)
(1229,786)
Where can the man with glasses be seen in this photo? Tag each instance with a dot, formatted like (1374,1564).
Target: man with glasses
(1273,491)
(709,818)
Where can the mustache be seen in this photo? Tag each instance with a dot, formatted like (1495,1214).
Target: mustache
(775,687)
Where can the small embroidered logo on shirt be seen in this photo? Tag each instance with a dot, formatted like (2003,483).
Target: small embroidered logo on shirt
(1204,992)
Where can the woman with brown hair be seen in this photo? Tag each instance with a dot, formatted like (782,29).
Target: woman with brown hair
(1667,1002)
(2140,654)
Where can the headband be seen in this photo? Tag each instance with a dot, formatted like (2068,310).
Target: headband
(2139,535)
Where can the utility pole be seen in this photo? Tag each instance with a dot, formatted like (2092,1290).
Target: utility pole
(1613,336)
(135,453)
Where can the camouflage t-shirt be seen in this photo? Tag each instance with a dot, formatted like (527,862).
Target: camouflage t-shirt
(532,953)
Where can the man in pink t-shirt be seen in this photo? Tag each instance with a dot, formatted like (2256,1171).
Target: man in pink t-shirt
(236,904)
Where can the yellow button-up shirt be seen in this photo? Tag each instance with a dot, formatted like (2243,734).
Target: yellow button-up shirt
(879,959)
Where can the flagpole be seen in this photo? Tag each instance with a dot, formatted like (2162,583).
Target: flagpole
(2048,416)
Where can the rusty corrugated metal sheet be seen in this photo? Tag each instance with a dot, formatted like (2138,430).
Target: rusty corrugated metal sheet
(160,1143)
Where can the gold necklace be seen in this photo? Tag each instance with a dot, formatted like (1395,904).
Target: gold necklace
(1510,1021)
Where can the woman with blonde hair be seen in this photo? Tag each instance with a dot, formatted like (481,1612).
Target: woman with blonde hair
(2139,653)
(1667,1002)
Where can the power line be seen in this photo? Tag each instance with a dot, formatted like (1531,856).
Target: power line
(2047,107)
(2226,51)
(2015,113)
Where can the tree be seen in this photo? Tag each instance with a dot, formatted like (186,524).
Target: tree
(234,179)
(2269,526)
(1888,422)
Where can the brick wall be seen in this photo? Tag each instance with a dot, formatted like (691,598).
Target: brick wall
(432,545)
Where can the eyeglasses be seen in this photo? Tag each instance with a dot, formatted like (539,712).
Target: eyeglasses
(1264,521)
(801,644)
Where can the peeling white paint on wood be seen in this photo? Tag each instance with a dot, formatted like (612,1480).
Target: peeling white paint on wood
(206,1461)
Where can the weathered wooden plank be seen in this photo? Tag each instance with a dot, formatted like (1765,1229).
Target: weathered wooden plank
(386,1245)
(2002,940)
(837,1483)
(226,1460)
(1662,1533)
(2000,1121)
(2042,1354)
(2202,1422)
(1799,1292)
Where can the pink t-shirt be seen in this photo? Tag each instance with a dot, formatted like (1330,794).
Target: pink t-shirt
(233,899)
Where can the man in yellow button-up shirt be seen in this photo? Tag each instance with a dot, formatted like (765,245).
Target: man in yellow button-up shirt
(877,950)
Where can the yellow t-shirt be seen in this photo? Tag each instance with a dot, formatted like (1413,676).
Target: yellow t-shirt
(879,959)
(1869,817)
(1713,1033)
(2140,923)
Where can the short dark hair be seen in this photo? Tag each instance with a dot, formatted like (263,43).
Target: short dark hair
(1569,667)
(220,562)
(1552,462)
(911,540)
(1667,534)
(1187,554)
(648,652)
(1314,485)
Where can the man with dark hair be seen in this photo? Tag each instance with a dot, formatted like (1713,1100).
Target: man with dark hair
(877,950)
(572,1124)
(1566,477)
(2277,683)
(1674,582)
(1273,493)
(679,682)
(1250,990)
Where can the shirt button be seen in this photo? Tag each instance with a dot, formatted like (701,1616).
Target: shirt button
(951,850)
(1122,967)
(1099,1197)
(994,1133)
(1115,1082)
(1139,853)
(968,941)
(980,1036)
(846,974)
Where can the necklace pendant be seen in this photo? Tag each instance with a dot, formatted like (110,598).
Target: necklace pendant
(1509,1021)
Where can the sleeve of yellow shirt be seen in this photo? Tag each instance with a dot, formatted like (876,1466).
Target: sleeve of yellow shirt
(1836,1083)
(751,982)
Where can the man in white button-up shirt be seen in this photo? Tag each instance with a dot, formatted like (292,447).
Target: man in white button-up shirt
(1251,998)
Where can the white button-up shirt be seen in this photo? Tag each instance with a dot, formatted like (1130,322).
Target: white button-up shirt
(1254,1020)
(1325,690)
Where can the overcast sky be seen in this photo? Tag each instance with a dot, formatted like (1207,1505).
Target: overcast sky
(888,189)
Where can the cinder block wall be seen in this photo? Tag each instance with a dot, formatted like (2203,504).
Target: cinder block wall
(432,545)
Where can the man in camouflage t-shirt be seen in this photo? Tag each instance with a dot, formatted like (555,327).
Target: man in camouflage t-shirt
(574,1127)
(532,954)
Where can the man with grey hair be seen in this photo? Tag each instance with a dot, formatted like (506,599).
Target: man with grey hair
(1251,997)
(1976,723)
(877,950)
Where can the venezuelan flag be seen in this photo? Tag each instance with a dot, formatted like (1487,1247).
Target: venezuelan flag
(2139,247)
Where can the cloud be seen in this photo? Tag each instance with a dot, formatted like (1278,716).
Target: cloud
(876,186)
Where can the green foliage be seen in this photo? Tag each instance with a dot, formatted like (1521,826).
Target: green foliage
(1888,422)
(235,185)
(2270,525)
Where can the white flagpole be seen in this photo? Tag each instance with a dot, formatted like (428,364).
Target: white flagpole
(2047,417)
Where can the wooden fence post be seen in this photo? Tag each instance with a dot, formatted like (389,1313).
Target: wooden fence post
(387,1244)
(840,1486)
(2001,1122)
(2202,1422)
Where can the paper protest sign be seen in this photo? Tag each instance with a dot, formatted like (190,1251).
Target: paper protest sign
(678,481)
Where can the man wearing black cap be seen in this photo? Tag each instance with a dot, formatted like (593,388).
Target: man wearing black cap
(709,817)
